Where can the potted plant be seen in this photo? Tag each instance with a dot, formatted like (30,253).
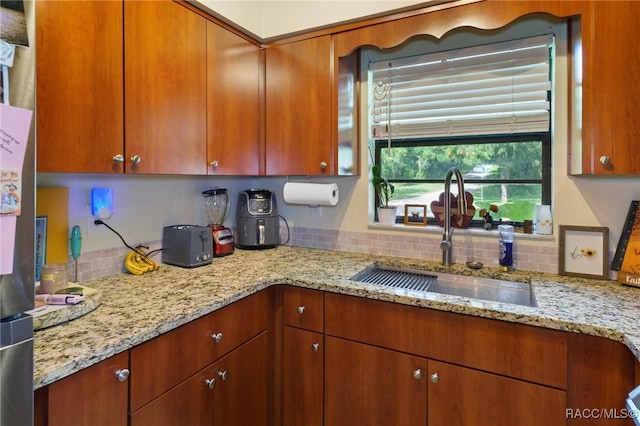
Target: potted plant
(384,192)
(485,214)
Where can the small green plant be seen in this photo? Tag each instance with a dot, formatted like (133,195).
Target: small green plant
(383,188)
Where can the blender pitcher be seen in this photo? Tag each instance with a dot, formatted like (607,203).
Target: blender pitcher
(216,208)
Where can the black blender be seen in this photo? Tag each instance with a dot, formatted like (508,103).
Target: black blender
(216,208)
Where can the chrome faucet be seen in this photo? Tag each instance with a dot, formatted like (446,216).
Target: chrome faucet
(445,245)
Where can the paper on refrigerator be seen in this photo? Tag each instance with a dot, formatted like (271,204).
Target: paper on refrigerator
(14,135)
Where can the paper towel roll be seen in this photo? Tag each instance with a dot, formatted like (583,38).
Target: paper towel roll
(312,194)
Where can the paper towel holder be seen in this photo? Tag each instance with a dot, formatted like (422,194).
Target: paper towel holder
(312,194)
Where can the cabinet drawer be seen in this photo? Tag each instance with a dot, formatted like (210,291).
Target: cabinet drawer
(165,361)
(519,351)
(304,308)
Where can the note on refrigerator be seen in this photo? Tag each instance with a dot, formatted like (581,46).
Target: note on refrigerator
(14,135)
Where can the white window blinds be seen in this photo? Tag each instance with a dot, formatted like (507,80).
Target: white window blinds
(501,88)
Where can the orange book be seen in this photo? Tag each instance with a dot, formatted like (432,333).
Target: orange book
(627,257)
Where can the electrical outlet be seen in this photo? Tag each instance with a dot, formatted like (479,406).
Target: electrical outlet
(92,228)
(315,211)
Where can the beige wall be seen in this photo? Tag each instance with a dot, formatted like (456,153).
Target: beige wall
(271,18)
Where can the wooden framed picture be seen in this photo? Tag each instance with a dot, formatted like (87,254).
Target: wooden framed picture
(584,251)
(415,214)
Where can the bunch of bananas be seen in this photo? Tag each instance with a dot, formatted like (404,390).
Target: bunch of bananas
(137,262)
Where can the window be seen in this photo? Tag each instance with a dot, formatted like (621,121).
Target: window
(485,110)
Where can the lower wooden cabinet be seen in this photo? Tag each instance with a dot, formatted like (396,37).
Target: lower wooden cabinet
(601,374)
(463,396)
(189,403)
(367,385)
(97,395)
(232,392)
(243,389)
(303,376)
(377,386)
(370,363)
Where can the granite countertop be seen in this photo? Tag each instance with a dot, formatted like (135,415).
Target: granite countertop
(136,308)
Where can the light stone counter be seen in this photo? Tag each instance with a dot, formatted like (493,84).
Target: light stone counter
(135,309)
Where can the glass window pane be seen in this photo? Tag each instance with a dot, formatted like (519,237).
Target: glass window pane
(476,161)
(515,201)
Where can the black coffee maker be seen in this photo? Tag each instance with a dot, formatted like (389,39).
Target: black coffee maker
(257,220)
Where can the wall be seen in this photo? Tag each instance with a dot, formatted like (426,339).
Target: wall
(267,19)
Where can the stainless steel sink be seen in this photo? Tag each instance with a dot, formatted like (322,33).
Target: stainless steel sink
(456,285)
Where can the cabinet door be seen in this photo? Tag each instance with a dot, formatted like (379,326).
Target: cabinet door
(165,88)
(242,393)
(189,403)
(299,108)
(601,374)
(303,373)
(233,103)
(611,89)
(462,396)
(93,396)
(367,385)
(79,84)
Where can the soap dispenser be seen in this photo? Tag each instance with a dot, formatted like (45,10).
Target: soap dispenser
(505,244)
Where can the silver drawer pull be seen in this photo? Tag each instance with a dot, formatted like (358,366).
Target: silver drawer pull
(122,374)
(217,337)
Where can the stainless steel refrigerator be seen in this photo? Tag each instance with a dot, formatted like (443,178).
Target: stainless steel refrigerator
(17,287)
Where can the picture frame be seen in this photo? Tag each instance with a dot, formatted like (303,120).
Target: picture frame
(41,244)
(584,251)
(415,214)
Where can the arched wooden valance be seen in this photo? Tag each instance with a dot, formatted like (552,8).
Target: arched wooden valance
(483,15)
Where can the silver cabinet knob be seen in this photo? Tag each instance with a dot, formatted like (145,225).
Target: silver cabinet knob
(122,374)
(214,164)
(315,347)
(217,337)
(323,165)
(211,383)
(119,158)
(417,374)
(604,160)
(301,310)
(136,159)
(223,375)
(435,378)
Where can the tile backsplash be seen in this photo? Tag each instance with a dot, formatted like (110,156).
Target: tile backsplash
(529,257)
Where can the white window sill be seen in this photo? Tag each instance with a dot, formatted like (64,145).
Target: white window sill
(476,232)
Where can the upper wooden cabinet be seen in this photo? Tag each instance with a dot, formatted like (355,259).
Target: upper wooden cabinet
(165,88)
(298,107)
(79,104)
(610,90)
(233,104)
